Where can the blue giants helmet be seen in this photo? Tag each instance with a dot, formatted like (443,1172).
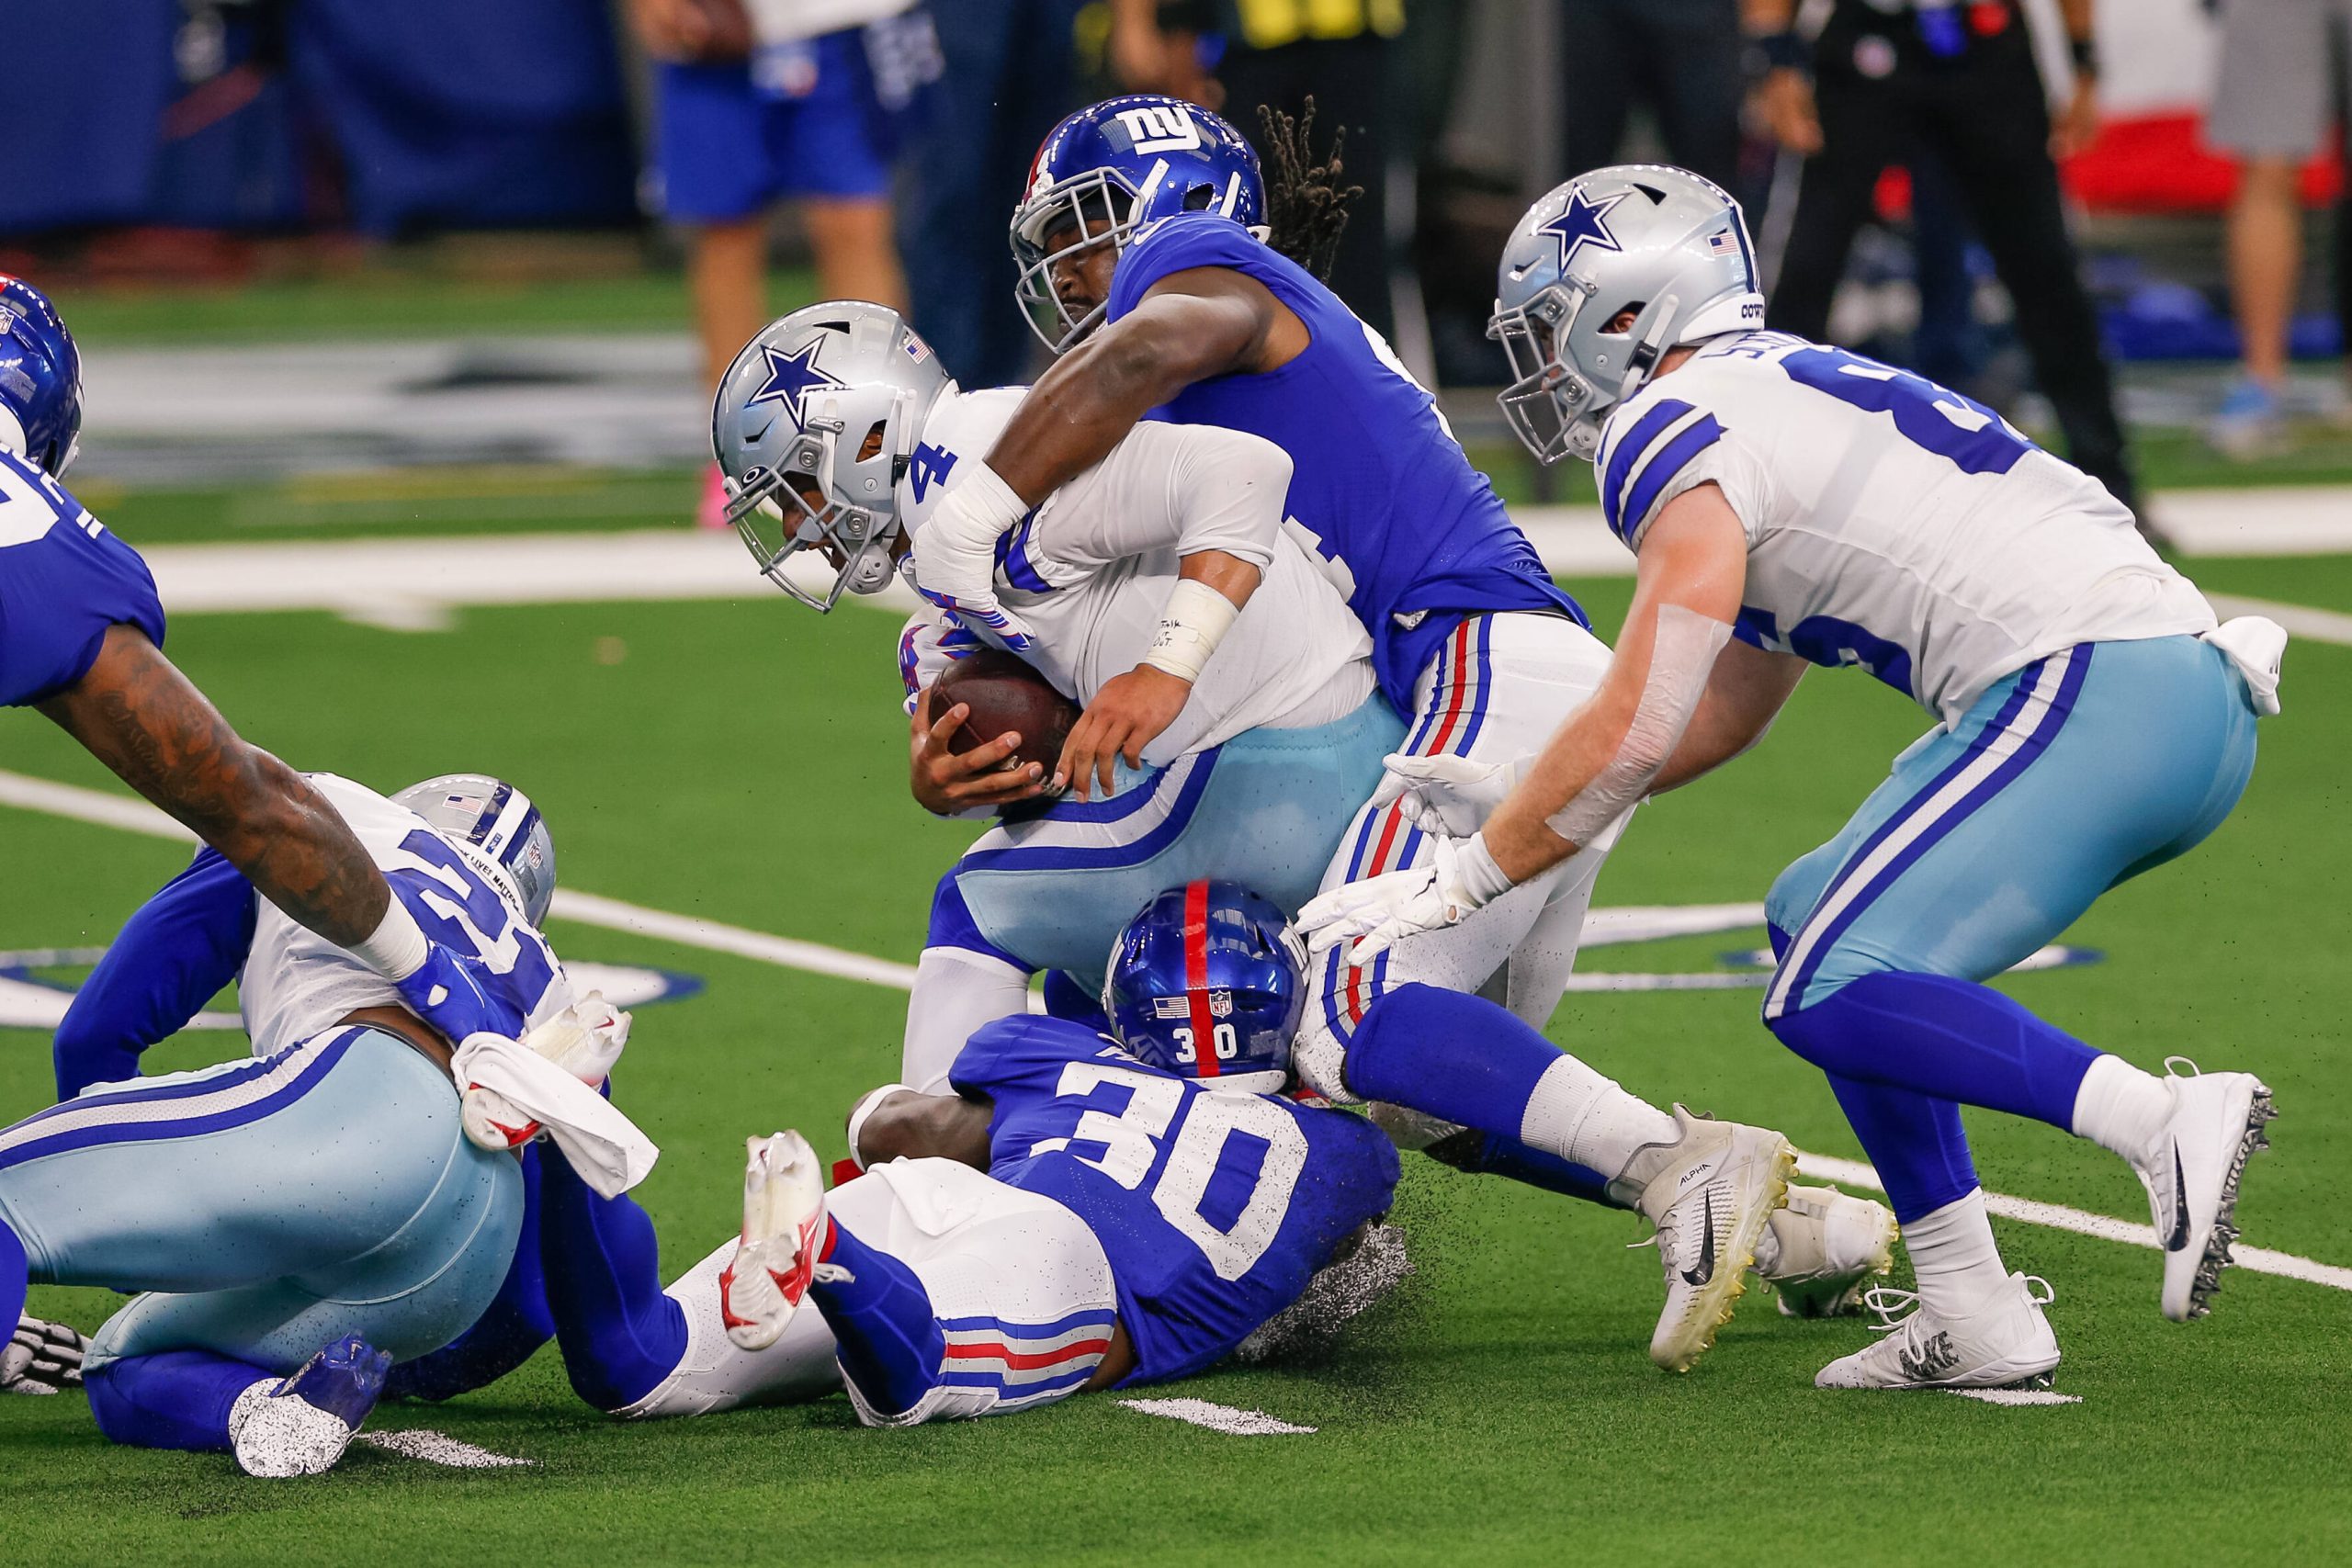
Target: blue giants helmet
(41,379)
(1108,170)
(1209,962)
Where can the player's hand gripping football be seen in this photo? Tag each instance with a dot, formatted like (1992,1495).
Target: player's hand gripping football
(946,784)
(1377,913)
(1127,714)
(956,558)
(1446,795)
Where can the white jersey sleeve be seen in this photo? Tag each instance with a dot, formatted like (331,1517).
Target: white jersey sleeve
(296,984)
(1891,522)
(1185,488)
(1091,569)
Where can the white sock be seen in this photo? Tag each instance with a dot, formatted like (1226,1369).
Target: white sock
(2122,1109)
(1953,1255)
(1583,1118)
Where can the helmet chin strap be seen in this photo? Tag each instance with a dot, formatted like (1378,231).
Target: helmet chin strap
(12,432)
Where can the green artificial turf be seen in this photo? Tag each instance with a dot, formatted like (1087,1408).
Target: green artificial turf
(744,763)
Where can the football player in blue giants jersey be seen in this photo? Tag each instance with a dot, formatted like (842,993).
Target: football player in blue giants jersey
(1148,262)
(1091,1211)
(81,639)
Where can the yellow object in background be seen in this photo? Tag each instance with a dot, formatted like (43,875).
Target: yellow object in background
(1270,23)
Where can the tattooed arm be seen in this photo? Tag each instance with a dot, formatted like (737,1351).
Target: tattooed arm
(142,717)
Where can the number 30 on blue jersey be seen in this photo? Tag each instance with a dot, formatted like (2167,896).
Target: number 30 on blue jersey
(1136,1140)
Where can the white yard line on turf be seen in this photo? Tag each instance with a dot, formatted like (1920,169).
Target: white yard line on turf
(414,584)
(439,1448)
(1218,1418)
(2016,1395)
(1605,927)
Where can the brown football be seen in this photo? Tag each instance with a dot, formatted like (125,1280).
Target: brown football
(1005,694)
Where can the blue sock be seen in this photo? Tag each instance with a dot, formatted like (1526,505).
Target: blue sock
(1945,1039)
(1490,1154)
(1443,1053)
(1466,1060)
(1916,1143)
(12,1277)
(621,1336)
(510,1330)
(891,1345)
(173,1399)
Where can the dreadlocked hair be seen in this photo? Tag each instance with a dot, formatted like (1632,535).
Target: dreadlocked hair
(1307,207)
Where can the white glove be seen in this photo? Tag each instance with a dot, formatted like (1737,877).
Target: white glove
(954,553)
(42,1357)
(1380,911)
(585,1039)
(1444,793)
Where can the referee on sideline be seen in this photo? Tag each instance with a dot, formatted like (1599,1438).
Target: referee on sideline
(1886,79)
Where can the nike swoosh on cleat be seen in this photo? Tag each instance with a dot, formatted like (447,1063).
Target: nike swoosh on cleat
(2179,1237)
(1706,1269)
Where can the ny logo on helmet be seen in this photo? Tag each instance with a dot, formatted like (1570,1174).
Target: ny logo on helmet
(1161,127)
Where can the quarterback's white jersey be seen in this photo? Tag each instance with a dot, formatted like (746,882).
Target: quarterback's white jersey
(296,984)
(1891,522)
(1091,569)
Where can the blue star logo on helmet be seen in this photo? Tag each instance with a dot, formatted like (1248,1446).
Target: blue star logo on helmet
(791,377)
(1583,223)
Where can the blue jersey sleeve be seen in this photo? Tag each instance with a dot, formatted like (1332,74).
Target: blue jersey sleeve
(63,581)
(1020,1059)
(173,956)
(1178,245)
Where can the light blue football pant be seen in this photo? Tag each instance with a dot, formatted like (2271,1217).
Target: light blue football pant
(269,1206)
(1265,810)
(1988,840)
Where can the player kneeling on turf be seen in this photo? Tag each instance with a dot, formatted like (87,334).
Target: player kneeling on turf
(300,1221)
(1148,1199)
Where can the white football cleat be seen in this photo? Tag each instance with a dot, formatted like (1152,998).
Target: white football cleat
(783,1225)
(2005,1343)
(1711,1194)
(2191,1175)
(585,1040)
(1819,1251)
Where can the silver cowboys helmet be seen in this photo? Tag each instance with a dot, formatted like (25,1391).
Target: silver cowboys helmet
(813,426)
(1651,239)
(499,831)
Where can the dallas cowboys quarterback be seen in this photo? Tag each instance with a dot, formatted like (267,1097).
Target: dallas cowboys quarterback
(1791,504)
(349,1186)
(81,639)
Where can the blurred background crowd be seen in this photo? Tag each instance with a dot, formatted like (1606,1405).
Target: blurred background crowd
(2092,214)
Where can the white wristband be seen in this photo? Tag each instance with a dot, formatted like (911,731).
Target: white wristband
(396,949)
(984,497)
(1195,621)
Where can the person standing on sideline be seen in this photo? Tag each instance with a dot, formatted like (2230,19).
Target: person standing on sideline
(2272,107)
(1010,74)
(759,101)
(1875,87)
